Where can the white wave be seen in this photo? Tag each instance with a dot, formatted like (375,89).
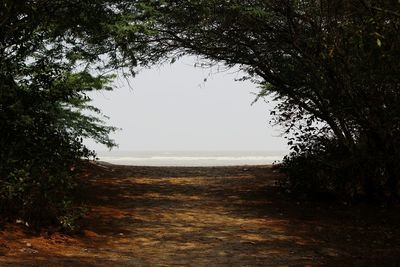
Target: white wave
(172,159)
(161,158)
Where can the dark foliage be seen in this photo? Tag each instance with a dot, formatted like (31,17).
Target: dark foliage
(51,54)
(332,65)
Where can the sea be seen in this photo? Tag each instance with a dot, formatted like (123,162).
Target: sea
(191,158)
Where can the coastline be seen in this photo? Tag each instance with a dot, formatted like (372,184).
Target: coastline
(191,158)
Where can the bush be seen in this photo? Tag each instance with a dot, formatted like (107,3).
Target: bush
(327,169)
(39,162)
(39,187)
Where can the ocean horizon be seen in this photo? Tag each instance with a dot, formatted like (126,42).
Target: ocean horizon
(190,158)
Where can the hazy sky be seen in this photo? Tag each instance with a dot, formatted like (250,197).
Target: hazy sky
(173,108)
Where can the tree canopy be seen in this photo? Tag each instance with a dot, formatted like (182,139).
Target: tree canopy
(51,54)
(333,66)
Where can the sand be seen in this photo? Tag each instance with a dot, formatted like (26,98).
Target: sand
(211,216)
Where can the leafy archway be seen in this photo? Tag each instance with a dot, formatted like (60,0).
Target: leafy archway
(331,63)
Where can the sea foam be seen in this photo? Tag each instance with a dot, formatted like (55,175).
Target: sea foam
(191,158)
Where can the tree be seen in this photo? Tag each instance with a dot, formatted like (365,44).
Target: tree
(51,54)
(333,65)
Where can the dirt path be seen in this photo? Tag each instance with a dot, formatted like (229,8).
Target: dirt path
(225,216)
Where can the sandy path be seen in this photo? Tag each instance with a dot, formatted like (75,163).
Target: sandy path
(225,216)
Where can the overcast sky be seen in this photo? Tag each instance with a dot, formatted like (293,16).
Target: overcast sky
(172,108)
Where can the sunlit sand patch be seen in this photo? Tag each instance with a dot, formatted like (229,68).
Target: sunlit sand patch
(171,180)
(90,234)
(159,196)
(252,237)
(191,245)
(109,212)
(268,252)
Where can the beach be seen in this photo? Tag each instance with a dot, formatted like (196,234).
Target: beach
(189,158)
(204,216)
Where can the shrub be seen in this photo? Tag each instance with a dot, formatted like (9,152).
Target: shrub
(327,169)
(40,159)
